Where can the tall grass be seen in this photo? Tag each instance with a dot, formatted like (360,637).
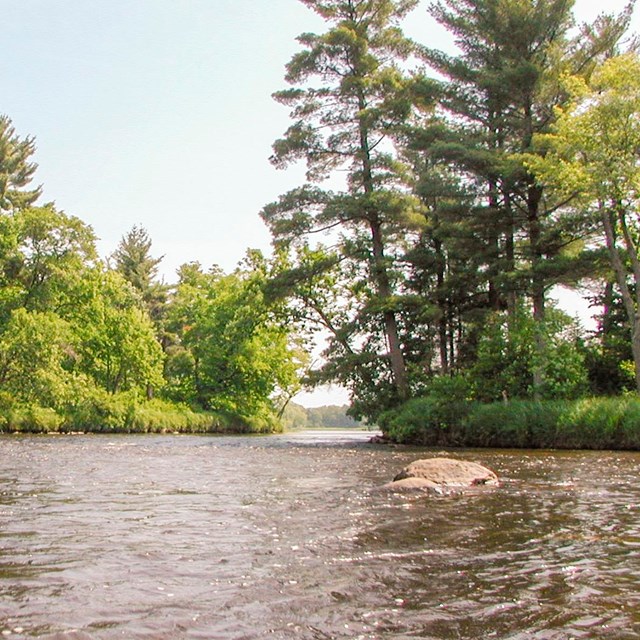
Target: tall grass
(116,414)
(589,423)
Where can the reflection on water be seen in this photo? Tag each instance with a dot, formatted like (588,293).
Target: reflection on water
(287,537)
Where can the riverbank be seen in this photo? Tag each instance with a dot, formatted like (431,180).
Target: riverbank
(124,414)
(588,423)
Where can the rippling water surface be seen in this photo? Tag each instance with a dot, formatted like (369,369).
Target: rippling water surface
(288,537)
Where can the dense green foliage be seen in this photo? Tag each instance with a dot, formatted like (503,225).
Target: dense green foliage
(589,423)
(454,225)
(87,347)
(232,352)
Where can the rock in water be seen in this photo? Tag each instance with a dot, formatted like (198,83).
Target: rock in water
(435,474)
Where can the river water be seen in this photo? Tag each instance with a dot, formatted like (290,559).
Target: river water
(289,537)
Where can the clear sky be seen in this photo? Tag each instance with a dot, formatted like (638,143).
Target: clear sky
(159,113)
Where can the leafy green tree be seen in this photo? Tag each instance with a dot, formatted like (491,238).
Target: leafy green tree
(116,344)
(593,157)
(34,349)
(16,169)
(43,254)
(348,97)
(234,353)
(507,358)
(501,90)
(52,250)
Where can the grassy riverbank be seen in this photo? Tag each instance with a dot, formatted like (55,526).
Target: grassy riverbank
(122,414)
(589,423)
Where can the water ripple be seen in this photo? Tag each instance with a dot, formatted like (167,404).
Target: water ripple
(286,537)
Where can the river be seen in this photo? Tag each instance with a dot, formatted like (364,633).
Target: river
(288,537)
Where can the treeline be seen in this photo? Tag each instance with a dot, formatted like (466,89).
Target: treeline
(298,417)
(89,344)
(449,194)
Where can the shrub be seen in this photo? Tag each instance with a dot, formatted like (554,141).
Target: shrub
(591,423)
(161,416)
(96,410)
(630,425)
(436,419)
(507,358)
(414,422)
(595,423)
(34,419)
(517,424)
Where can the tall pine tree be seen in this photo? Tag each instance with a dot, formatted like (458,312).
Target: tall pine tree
(348,97)
(134,261)
(16,169)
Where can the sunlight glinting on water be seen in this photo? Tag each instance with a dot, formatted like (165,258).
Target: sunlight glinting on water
(290,537)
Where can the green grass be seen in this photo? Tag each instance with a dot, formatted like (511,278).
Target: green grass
(589,423)
(121,413)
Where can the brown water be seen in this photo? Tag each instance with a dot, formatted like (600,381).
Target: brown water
(287,537)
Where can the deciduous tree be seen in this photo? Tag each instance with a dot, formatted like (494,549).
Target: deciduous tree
(593,157)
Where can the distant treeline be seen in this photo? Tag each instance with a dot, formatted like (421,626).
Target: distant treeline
(299,417)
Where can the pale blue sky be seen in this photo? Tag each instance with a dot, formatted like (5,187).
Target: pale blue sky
(159,113)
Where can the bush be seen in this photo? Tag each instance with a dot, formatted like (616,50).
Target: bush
(514,424)
(33,419)
(160,416)
(96,410)
(436,419)
(414,422)
(507,357)
(630,425)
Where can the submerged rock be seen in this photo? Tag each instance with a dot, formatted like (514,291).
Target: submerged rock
(442,474)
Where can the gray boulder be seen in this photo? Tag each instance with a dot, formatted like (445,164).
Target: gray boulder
(439,475)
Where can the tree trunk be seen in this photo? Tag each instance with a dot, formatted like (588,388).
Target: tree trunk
(442,305)
(536,257)
(380,273)
(631,306)
(396,357)
(510,256)
(494,248)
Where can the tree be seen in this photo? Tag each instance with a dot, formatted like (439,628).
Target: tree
(349,96)
(134,261)
(115,339)
(53,249)
(34,349)
(501,90)
(447,261)
(233,353)
(16,171)
(608,352)
(507,360)
(43,254)
(593,157)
